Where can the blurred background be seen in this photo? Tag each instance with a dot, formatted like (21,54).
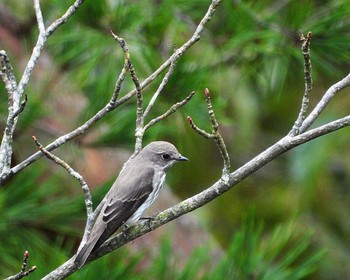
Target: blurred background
(290,220)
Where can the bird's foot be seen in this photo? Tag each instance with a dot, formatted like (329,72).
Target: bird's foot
(151,218)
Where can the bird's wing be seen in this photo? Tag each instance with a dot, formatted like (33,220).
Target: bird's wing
(129,194)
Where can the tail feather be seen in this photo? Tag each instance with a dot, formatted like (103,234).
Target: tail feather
(83,254)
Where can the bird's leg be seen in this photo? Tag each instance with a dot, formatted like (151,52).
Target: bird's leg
(151,218)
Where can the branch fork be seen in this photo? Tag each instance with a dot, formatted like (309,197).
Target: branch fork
(215,135)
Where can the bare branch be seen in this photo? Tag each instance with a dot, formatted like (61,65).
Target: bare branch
(305,48)
(20,109)
(321,105)
(171,111)
(43,36)
(9,79)
(39,16)
(178,52)
(23,271)
(15,92)
(160,89)
(139,108)
(199,130)
(118,84)
(83,184)
(219,141)
(217,136)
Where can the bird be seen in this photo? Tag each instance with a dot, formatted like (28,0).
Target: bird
(135,189)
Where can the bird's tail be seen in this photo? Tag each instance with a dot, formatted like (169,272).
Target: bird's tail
(83,254)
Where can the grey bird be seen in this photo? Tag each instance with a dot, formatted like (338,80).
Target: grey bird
(135,189)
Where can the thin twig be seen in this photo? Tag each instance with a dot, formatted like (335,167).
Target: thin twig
(139,108)
(178,52)
(219,141)
(43,36)
(117,87)
(39,16)
(171,111)
(305,49)
(83,184)
(326,98)
(160,89)
(199,130)
(23,271)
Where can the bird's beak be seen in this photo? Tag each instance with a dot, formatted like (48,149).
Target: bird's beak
(182,158)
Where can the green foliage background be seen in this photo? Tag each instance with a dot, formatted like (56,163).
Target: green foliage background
(249,57)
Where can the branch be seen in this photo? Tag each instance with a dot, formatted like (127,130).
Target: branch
(139,108)
(305,48)
(15,92)
(160,89)
(39,16)
(23,271)
(9,79)
(321,105)
(302,124)
(83,184)
(121,77)
(42,38)
(215,135)
(171,111)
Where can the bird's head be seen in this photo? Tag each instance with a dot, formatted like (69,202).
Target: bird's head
(161,153)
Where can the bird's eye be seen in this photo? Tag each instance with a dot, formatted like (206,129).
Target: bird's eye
(165,156)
